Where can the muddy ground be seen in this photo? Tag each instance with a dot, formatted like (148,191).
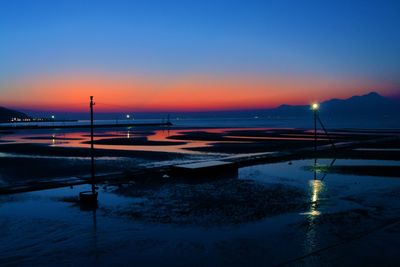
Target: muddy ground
(220,202)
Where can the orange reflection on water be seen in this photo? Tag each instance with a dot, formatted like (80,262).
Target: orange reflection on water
(80,138)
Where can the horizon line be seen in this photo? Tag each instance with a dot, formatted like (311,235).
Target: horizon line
(126,109)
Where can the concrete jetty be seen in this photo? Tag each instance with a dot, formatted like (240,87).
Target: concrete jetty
(80,126)
(204,169)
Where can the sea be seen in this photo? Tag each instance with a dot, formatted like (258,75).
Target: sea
(238,122)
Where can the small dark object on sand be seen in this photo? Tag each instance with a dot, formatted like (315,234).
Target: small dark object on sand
(88,197)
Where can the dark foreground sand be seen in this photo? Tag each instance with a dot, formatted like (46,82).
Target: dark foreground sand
(32,163)
(220,202)
(255,219)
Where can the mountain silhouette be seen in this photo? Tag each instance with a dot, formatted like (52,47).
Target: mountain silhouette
(369,105)
(7,114)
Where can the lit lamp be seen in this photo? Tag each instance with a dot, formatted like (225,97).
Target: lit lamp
(315,106)
(53,119)
(128,116)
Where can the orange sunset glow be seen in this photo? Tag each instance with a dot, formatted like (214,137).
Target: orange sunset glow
(184,94)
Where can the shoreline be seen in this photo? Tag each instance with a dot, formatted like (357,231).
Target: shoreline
(113,125)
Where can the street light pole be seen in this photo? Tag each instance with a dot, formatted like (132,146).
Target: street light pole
(90,197)
(315,131)
(315,108)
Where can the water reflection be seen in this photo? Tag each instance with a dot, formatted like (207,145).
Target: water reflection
(95,237)
(94,248)
(317,187)
(78,139)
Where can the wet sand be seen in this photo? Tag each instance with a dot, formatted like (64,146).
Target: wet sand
(385,150)
(45,150)
(135,142)
(43,163)
(270,215)
(371,170)
(52,156)
(255,141)
(220,202)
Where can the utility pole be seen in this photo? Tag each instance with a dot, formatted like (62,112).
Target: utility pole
(315,130)
(92,146)
(90,197)
(315,108)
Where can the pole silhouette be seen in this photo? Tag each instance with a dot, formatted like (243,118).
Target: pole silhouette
(92,146)
(315,130)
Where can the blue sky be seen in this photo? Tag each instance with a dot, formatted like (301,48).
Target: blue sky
(333,40)
(360,38)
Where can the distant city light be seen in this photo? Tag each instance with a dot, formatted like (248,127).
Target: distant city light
(128,116)
(315,106)
(53,117)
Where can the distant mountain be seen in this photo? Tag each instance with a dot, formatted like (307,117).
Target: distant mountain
(366,111)
(370,105)
(365,108)
(7,114)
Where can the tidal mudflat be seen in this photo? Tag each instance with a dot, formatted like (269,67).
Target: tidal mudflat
(269,215)
(47,154)
(329,211)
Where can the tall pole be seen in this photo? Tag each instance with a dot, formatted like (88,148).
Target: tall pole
(315,143)
(315,130)
(92,145)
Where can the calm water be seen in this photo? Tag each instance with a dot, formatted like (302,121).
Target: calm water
(78,138)
(249,121)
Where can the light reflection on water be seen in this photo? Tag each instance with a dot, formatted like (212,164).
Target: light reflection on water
(311,241)
(78,139)
(321,190)
(317,187)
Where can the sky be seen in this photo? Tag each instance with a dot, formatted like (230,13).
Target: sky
(193,55)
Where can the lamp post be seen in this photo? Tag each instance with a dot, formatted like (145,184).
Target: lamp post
(92,146)
(90,197)
(314,108)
